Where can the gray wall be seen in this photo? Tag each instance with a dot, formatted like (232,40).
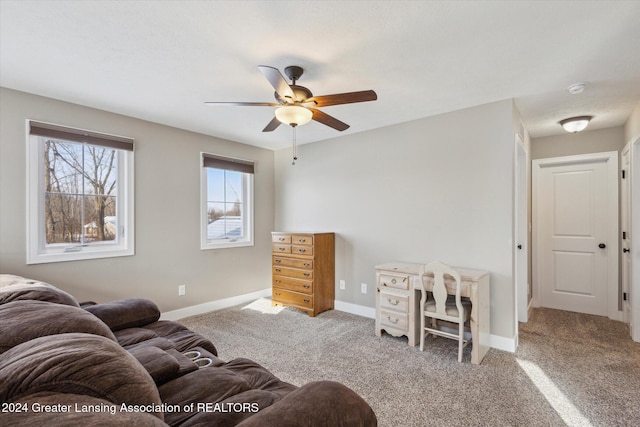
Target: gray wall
(585,142)
(167,191)
(632,127)
(439,188)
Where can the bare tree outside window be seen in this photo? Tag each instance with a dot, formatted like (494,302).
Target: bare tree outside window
(80,192)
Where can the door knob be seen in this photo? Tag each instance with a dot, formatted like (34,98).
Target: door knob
(519,246)
(602,246)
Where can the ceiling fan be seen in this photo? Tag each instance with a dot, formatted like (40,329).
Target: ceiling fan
(296,104)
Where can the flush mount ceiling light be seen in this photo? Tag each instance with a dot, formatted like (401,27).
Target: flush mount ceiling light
(575,124)
(576,88)
(293,115)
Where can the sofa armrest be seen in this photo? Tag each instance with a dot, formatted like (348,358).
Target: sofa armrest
(320,403)
(126,313)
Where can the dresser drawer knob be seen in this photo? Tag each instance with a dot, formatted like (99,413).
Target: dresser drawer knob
(278,270)
(394,281)
(307,274)
(282,239)
(393,302)
(277,281)
(278,294)
(394,321)
(306,264)
(278,261)
(302,251)
(306,300)
(302,240)
(281,249)
(306,286)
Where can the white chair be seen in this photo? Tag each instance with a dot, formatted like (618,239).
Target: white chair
(439,305)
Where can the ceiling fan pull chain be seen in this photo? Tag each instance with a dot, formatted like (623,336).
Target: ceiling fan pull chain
(295,148)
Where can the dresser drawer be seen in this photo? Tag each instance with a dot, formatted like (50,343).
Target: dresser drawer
(293,262)
(299,285)
(393,281)
(299,239)
(281,238)
(392,319)
(301,250)
(394,301)
(292,272)
(294,298)
(280,248)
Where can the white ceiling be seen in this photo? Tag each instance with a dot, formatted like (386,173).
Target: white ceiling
(160,60)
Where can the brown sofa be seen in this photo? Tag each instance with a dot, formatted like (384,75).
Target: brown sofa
(117,364)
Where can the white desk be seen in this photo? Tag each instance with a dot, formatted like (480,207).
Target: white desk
(398,303)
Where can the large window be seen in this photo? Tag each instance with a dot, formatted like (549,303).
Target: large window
(226,202)
(80,194)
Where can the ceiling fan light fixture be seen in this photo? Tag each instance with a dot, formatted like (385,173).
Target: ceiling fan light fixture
(293,115)
(575,124)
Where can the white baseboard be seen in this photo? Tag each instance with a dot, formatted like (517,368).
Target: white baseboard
(215,305)
(502,343)
(356,309)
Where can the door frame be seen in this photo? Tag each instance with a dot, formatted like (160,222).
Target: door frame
(635,239)
(625,227)
(521,233)
(613,208)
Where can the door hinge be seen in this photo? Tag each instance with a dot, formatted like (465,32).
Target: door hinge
(624,296)
(623,174)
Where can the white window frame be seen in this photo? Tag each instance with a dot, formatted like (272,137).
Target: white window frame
(248,214)
(37,251)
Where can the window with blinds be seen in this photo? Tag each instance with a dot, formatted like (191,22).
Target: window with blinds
(226,202)
(80,201)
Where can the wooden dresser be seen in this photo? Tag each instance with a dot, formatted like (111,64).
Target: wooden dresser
(303,271)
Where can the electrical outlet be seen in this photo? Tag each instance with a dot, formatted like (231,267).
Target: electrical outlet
(182,289)
(343,285)
(363,288)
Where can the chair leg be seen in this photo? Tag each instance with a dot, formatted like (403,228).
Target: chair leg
(421,331)
(460,340)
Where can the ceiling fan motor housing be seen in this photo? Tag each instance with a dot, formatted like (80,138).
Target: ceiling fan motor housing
(293,72)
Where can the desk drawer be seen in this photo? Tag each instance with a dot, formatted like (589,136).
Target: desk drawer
(394,301)
(393,281)
(395,320)
(293,298)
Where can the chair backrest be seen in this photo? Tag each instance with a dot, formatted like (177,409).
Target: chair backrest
(439,290)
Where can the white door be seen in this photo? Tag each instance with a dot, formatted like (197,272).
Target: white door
(576,217)
(625,223)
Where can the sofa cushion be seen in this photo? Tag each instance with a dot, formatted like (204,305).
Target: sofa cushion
(161,365)
(126,313)
(338,404)
(75,363)
(182,338)
(240,381)
(23,320)
(13,288)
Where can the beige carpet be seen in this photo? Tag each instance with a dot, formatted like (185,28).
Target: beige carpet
(570,369)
